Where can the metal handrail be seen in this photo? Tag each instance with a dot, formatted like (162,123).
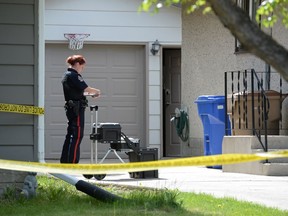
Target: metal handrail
(265,99)
(261,94)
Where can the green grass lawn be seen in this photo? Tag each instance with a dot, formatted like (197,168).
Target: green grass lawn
(55,197)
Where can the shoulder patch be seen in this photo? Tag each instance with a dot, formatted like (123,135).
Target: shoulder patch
(80,78)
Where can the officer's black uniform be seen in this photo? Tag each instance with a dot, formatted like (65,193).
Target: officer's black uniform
(73,87)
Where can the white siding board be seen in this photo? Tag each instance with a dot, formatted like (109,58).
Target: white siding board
(154,92)
(115,34)
(112,21)
(154,138)
(154,107)
(112,18)
(154,63)
(154,122)
(154,78)
(98,5)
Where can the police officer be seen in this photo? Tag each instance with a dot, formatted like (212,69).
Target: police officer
(74,88)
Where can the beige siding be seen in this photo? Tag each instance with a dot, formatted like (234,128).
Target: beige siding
(17,69)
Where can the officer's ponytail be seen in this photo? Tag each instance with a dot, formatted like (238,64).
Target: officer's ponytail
(72,60)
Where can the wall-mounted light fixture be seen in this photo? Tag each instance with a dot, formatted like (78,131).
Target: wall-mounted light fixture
(155,47)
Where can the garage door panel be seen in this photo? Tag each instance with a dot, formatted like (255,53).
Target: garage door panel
(115,71)
(102,111)
(123,57)
(124,114)
(57,61)
(55,87)
(55,143)
(121,113)
(124,87)
(96,57)
(100,83)
(118,71)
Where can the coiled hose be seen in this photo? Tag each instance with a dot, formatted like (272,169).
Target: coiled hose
(181,122)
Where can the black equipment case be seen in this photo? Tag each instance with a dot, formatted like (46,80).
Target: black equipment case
(144,154)
(109,132)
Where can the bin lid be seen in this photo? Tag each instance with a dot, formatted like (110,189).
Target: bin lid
(210,99)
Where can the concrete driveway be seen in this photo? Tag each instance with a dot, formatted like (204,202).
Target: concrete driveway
(270,191)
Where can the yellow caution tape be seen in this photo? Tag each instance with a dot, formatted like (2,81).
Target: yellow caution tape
(137,166)
(21,109)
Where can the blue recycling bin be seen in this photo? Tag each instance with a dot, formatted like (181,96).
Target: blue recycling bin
(213,105)
(211,110)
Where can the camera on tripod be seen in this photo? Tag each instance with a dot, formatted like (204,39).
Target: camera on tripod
(110,133)
(106,132)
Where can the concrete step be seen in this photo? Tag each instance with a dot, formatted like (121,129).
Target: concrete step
(274,160)
(258,168)
(250,145)
(274,142)
(275,169)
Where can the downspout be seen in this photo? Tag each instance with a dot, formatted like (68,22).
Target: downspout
(30,182)
(30,186)
(90,189)
(41,80)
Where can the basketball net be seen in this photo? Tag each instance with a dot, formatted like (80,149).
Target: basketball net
(76,40)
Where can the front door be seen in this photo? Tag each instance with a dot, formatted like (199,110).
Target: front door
(171,99)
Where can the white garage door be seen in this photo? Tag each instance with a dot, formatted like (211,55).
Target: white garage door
(118,71)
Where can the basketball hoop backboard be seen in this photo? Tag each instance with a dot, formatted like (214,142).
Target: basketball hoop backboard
(76,40)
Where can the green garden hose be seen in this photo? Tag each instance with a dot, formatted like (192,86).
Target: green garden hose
(181,122)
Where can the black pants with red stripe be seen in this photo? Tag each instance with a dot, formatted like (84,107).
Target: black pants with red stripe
(75,130)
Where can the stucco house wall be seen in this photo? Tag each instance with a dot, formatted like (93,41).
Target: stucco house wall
(207,52)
